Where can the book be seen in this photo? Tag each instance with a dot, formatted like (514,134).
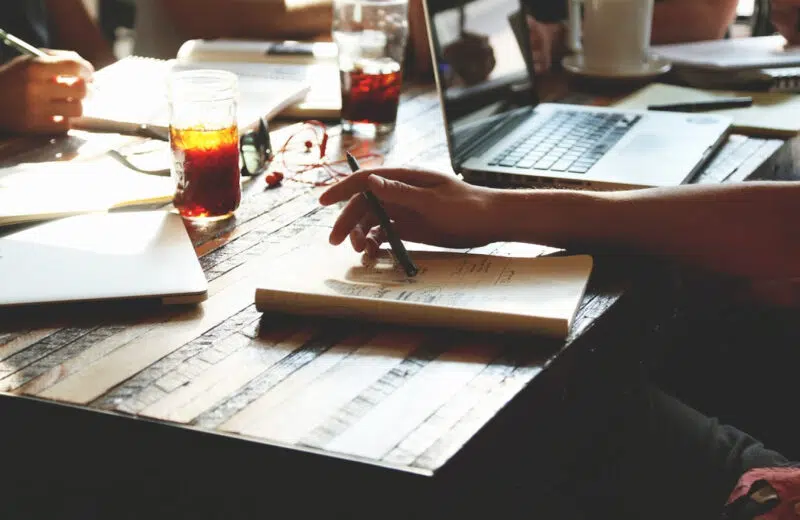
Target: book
(311,62)
(468,291)
(772,114)
(731,54)
(32,192)
(133,91)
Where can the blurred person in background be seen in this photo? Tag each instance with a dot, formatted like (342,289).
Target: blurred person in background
(674,21)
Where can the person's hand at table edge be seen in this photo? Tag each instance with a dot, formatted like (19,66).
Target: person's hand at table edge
(425,206)
(785,15)
(40,95)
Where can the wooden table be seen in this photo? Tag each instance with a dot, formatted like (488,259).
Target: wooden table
(108,391)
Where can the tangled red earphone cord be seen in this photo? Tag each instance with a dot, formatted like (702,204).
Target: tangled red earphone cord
(335,170)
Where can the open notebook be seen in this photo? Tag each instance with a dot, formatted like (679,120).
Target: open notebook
(470,291)
(133,91)
(269,59)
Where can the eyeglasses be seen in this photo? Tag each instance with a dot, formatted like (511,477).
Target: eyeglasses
(255,150)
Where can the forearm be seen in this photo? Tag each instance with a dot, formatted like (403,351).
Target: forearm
(691,20)
(73,29)
(739,230)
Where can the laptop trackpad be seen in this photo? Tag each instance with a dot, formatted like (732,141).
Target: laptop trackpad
(645,143)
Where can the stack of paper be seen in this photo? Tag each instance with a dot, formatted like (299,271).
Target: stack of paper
(731,54)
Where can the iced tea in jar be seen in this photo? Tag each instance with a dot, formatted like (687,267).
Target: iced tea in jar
(204,139)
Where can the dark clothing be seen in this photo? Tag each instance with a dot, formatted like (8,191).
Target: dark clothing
(25,19)
(549,10)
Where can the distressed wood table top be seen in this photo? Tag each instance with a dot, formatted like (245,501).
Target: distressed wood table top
(393,396)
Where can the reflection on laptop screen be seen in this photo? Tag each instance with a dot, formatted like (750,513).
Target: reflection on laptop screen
(482,69)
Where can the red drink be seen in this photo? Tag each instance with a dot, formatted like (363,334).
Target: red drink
(371,98)
(206,171)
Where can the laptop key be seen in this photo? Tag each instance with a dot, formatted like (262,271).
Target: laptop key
(561,166)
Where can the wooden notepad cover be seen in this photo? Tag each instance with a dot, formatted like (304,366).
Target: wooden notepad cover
(468,291)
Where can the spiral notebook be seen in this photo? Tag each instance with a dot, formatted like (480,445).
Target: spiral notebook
(133,91)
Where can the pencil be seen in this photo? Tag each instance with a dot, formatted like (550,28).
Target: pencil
(398,249)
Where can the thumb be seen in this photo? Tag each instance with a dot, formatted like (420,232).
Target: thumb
(396,192)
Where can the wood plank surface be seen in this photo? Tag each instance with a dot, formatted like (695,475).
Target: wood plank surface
(404,397)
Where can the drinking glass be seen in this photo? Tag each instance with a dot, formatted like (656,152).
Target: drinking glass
(204,139)
(371,36)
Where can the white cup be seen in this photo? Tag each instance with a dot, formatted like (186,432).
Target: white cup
(614,35)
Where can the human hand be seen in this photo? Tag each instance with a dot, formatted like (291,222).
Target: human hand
(41,94)
(546,43)
(425,206)
(784,16)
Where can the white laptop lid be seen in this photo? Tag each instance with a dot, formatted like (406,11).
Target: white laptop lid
(101,256)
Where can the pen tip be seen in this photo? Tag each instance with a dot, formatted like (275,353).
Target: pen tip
(351,161)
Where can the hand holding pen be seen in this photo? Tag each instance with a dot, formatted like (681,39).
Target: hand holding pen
(41,91)
(398,249)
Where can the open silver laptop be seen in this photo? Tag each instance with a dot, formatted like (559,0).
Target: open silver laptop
(498,134)
(98,257)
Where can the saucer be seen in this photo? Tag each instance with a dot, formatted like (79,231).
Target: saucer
(655,66)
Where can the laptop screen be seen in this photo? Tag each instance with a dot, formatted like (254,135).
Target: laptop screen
(483,66)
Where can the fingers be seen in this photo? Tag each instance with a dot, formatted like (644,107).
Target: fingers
(784,16)
(48,125)
(357,182)
(75,90)
(66,63)
(66,107)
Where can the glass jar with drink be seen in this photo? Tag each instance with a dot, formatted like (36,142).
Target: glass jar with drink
(371,36)
(204,139)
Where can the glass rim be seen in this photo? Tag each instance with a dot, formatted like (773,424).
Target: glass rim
(202,85)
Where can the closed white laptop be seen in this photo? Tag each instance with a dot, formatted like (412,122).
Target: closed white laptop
(101,256)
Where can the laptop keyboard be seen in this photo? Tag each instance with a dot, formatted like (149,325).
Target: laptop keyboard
(568,141)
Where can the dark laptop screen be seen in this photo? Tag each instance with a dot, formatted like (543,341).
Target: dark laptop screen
(483,67)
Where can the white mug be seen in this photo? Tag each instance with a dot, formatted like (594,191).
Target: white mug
(613,35)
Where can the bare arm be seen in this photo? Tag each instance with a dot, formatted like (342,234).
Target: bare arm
(73,29)
(276,19)
(692,20)
(744,230)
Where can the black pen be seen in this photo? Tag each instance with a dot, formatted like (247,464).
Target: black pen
(703,106)
(398,249)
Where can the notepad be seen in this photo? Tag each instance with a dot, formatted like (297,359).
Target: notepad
(39,191)
(467,291)
(772,114)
